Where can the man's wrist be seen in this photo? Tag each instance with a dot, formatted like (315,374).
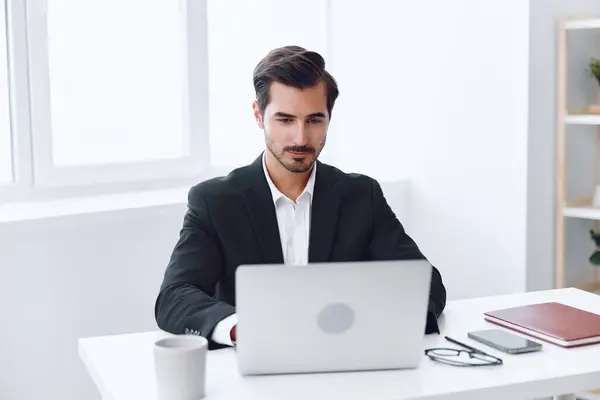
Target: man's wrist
(222,332)
(233,335)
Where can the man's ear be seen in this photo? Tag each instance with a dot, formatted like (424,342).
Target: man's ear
(257,115)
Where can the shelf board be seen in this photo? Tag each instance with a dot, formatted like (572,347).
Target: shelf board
(586,212)
(592,287)
(588,23)
(583,119)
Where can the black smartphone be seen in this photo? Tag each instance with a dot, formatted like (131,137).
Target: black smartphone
(505,341)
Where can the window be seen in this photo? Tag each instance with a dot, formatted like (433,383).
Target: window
(116,93)
(240,33)
(6,173)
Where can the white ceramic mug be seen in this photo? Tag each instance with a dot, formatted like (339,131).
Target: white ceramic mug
(180,365)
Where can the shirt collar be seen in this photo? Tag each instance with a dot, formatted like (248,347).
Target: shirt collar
(309,188)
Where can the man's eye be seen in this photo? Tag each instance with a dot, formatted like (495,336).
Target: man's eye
(284,120)
(315,120)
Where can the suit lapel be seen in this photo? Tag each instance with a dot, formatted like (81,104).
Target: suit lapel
(261,209)
(324,215)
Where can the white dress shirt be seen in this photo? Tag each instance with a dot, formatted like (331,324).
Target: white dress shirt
(293,220)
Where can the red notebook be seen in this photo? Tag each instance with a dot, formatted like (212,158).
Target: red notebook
(551,322)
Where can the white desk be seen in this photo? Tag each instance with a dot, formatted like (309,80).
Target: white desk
(122,366)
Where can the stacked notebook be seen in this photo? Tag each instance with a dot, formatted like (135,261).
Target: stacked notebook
(551,322)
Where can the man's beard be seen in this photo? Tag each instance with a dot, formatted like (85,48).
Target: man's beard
(298,165)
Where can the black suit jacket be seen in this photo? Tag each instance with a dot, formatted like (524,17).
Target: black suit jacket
(232,221)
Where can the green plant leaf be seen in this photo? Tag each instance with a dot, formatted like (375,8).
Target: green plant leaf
(594,68)
(595,258)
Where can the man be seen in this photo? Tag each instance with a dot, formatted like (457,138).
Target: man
(284,207)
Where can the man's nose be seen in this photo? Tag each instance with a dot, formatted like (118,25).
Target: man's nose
(301,134)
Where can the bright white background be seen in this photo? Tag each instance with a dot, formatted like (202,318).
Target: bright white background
(5,136)
(116,94)
(442,102)
(116,80)
(234,49)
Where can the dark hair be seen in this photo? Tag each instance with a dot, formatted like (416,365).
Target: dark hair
(292,66)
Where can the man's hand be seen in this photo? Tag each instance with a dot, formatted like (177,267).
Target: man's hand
(232,334)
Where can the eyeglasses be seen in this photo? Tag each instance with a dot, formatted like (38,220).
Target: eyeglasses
(462,358)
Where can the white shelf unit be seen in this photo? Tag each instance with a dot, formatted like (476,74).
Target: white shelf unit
(565,207)
(582,119)
(582,23)
(592,213)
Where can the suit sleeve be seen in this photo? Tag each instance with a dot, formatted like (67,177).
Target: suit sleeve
(391,242)
(185,303)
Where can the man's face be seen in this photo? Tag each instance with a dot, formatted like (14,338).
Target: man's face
(295,123)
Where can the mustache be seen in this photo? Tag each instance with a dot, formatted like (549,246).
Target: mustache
(300,149)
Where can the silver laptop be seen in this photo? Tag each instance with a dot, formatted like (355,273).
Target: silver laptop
(331,316)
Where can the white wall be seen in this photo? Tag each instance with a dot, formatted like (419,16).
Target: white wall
(74,277)
(438,93)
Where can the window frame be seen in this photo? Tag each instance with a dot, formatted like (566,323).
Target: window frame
(20,128)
